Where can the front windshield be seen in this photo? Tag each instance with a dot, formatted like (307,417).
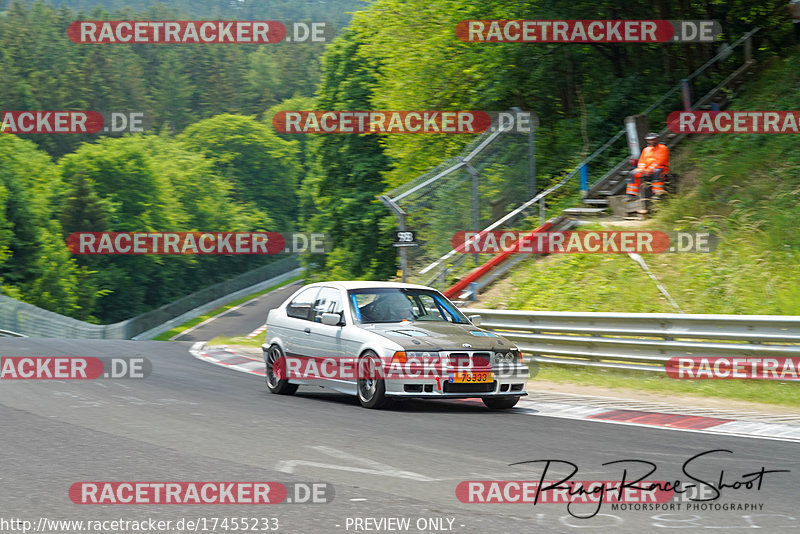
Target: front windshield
(393,305)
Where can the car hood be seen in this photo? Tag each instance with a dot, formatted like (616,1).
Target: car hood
(429,335)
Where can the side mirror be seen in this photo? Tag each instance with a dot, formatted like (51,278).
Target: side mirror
(475,319)
(331,319)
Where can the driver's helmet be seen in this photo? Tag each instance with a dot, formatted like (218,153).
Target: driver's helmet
(392,306)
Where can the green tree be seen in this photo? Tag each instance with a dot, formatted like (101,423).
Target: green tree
(150,183)
(6,230)
(37,266)
(83,209)
(172,92)
(137,197)
(263,168)
(297,103)
(346,175)
(263,78)
(30,180)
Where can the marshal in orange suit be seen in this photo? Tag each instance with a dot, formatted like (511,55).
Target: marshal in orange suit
(653,163)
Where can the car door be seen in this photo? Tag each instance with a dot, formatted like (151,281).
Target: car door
(325,341)
(297,341)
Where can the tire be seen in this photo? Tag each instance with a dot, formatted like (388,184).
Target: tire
(500,403)
(279,387)
(371,392)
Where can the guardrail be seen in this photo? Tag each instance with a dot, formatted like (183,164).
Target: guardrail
(9,333)
(30,320)
(641,341)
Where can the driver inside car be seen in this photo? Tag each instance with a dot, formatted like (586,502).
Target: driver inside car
(390,307)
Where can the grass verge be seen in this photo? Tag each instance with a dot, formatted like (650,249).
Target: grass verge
(762,391)
(197,320)
(238,340)
(744,188)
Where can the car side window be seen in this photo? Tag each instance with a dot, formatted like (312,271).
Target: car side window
(300,307)
(328,301)
(429,309)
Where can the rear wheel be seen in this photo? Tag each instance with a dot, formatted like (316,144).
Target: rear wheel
(275,384)
(500,403)
(371,390)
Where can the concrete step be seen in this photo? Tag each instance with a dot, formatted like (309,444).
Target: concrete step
(585,212)
(621,206)
(596,201)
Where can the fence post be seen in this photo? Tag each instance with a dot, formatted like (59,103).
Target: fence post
(532,185)
(584,180)
(401,222)
(748,49)
(476,216)
(541,212)
(687,95)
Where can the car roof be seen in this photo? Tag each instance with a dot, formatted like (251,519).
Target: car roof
(367,284)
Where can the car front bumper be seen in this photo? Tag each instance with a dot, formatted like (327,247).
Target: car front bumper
(509,382)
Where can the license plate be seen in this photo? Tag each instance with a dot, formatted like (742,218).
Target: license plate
(472,378)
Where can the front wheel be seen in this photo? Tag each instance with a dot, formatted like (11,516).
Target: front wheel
(275,384)
(371,390)
(500,403)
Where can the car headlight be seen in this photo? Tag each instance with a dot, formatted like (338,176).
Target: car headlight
(504,357)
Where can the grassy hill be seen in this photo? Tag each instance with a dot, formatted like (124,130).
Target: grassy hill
(743,188)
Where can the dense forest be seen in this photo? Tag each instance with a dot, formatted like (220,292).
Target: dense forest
(200,168)
(335,11)
(211,160)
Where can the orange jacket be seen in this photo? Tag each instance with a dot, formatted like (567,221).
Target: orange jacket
(654,157)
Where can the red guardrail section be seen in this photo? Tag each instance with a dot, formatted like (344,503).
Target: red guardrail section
(484,269)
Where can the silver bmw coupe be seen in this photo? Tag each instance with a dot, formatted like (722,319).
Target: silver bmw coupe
(384,341)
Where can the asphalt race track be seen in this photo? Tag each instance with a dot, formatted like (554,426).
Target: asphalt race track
(193,421)
(241,319)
